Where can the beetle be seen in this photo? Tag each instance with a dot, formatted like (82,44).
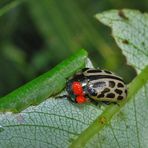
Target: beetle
(96,85)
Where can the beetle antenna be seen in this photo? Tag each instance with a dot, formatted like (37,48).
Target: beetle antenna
(61,97)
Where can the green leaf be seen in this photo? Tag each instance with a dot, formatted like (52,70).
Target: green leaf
(44,86)
(130,31)
(131,117)
(128,127)
(60,123)
(69,29)
(8,6)
(56,123)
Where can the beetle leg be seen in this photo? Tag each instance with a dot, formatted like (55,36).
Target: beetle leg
(94,101)
(61,97)
(116,103)
(106,102)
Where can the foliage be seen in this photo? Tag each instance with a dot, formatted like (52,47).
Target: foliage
(41,34)
(58,122)
(44,86)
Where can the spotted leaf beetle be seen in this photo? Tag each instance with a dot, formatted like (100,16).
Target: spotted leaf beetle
(95,85)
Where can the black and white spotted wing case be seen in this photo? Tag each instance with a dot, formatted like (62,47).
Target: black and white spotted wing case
(96,85)
(104,85)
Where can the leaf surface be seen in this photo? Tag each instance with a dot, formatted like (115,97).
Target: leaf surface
(60,123)
(130,31)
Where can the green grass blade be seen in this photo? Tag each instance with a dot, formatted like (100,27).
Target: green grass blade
(9,6)
(43,86)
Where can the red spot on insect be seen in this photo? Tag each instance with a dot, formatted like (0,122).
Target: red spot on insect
(78,92)
(77,88)
(81,99)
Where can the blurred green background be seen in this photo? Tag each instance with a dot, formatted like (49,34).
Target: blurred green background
(37,35)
